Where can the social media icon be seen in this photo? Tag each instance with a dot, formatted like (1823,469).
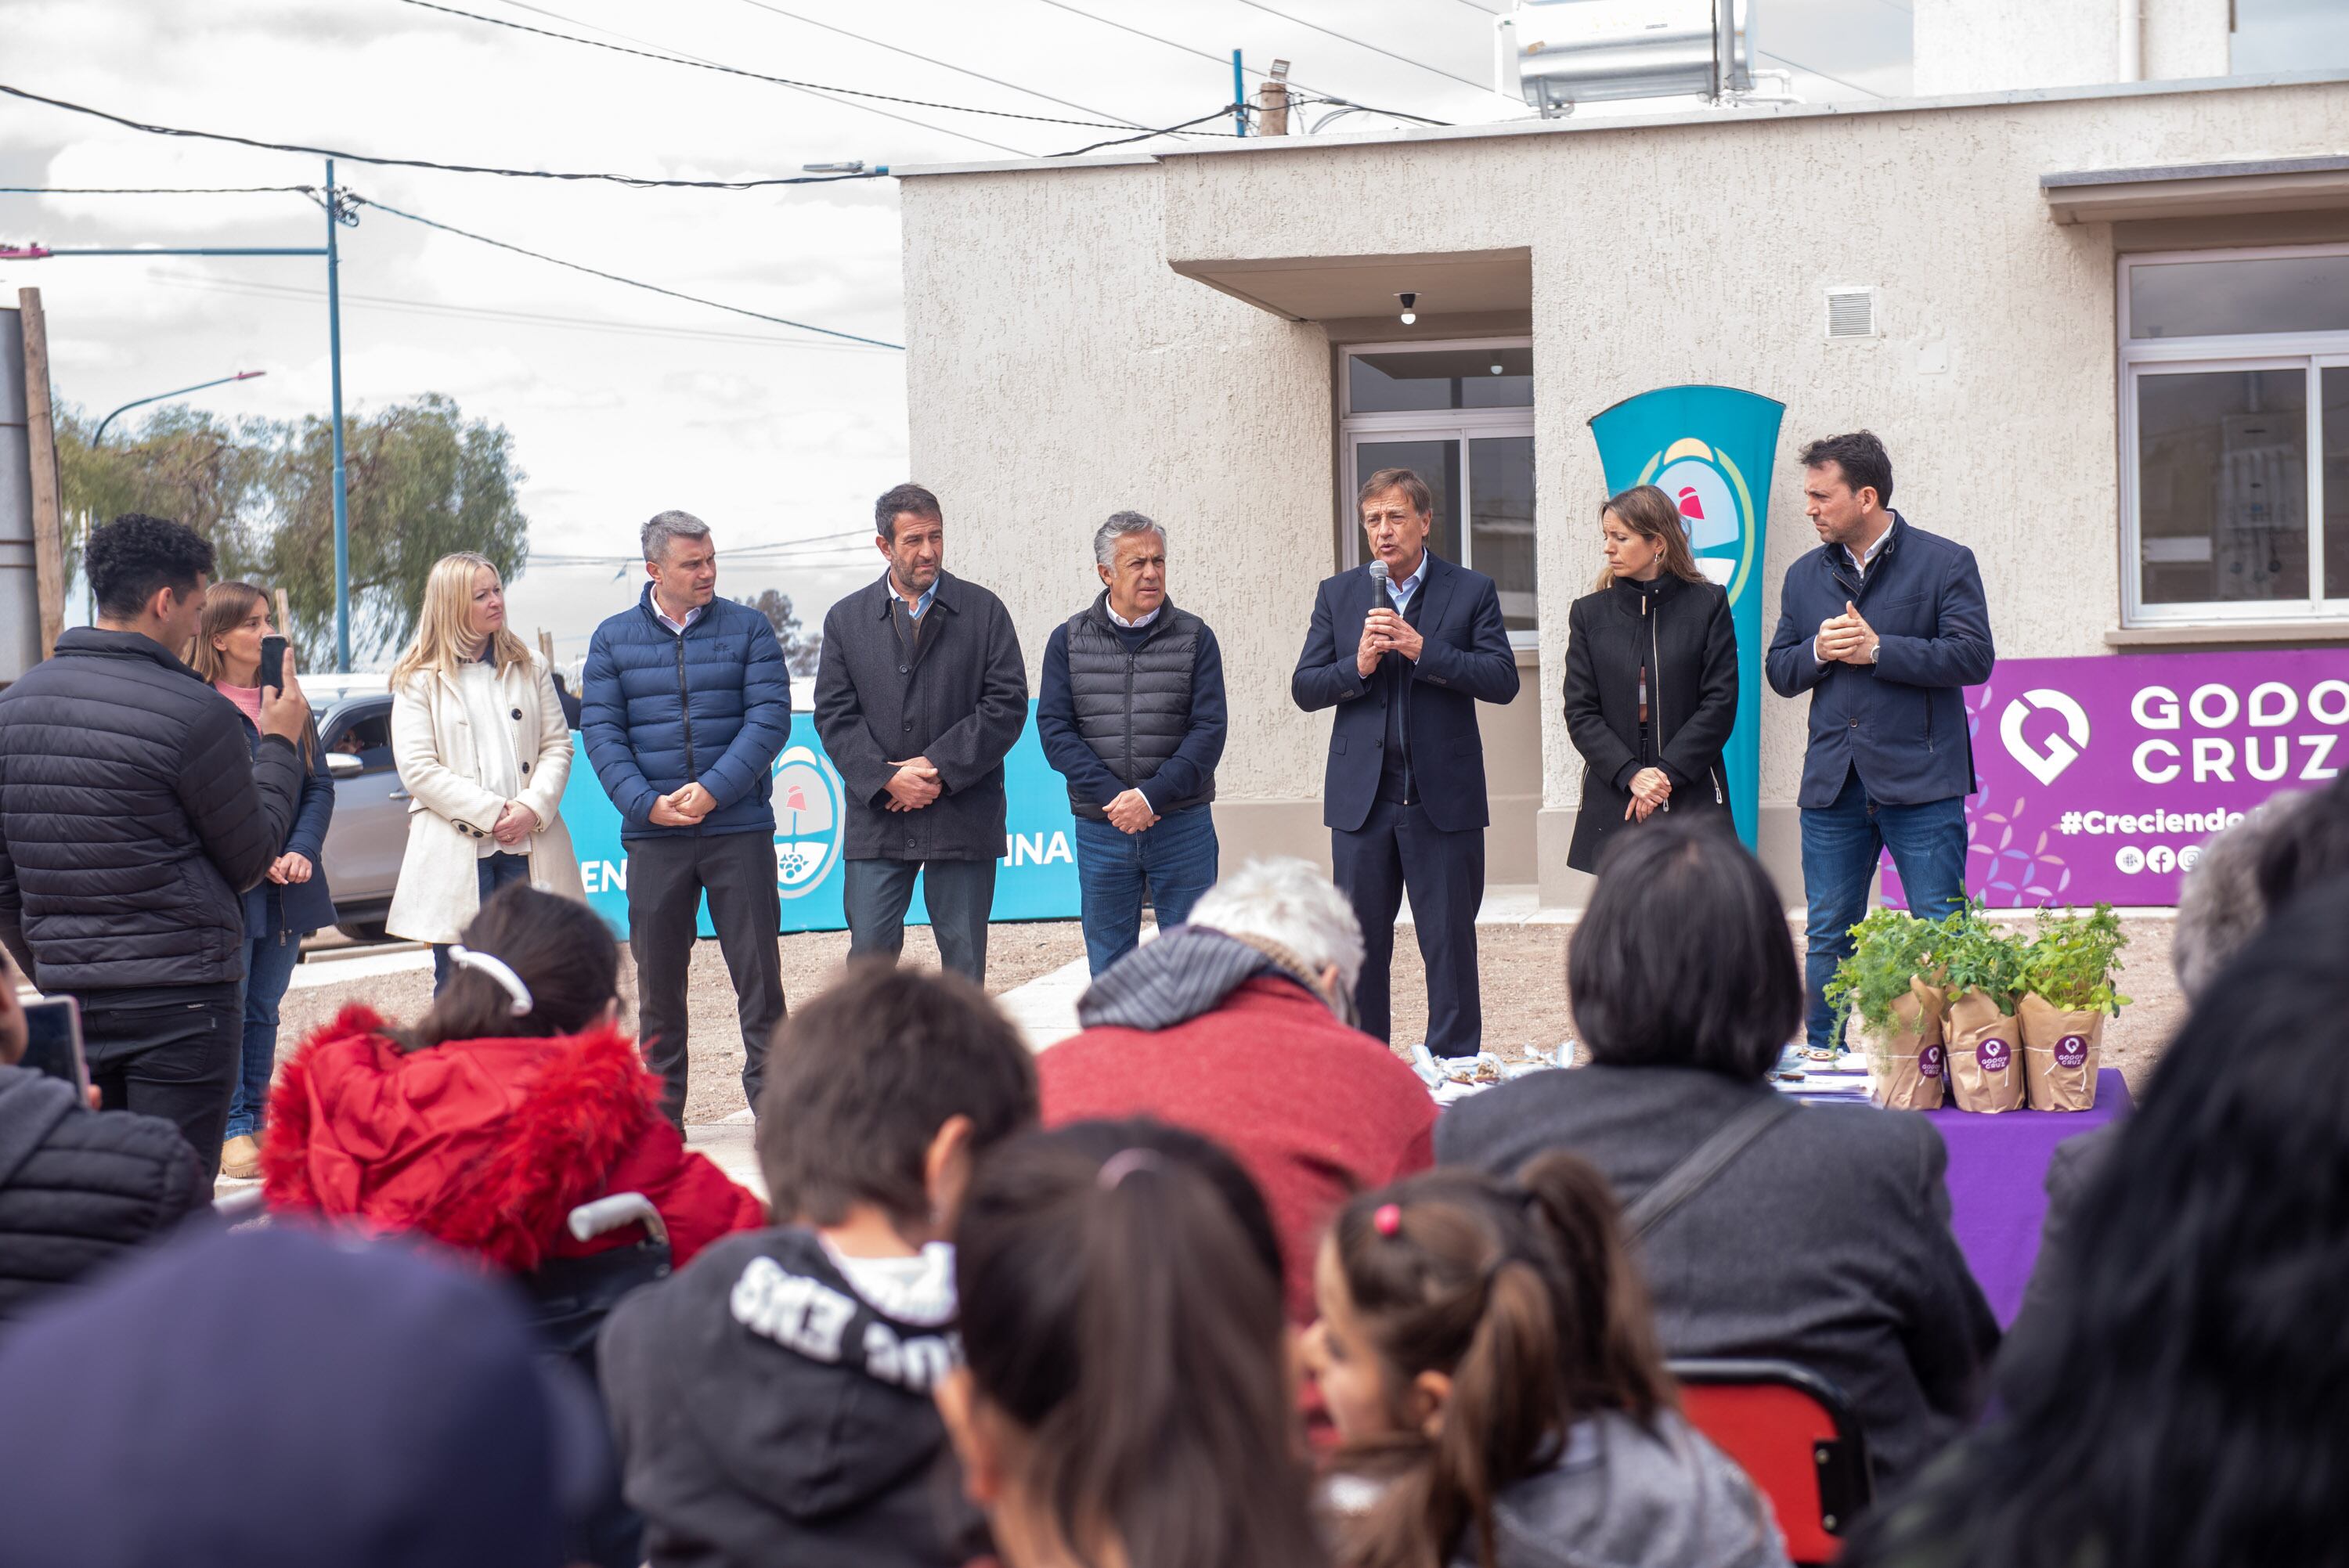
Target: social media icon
(2129,859)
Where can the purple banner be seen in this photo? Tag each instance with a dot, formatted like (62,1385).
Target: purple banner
(2101,777)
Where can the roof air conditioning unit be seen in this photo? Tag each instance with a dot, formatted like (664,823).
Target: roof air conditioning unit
(1559,52)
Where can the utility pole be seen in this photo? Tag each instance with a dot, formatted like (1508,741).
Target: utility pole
(1272,102)
(1240,97)
(334,371)
(339,211)
(41,450)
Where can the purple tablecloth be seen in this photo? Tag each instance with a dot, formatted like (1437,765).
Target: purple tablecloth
(1998,1194)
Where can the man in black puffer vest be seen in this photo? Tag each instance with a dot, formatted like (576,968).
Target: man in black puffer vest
(77,1186)
(133,814)
(1131,712)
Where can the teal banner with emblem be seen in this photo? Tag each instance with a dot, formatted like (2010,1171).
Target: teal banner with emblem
(1711,448)
(1036,879)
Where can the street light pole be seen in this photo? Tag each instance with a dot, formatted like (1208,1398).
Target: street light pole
(99,438)
(334,370)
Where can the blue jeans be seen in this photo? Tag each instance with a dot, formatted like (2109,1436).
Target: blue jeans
(269,962)
(1175,859)
(1841,844)
(490,873)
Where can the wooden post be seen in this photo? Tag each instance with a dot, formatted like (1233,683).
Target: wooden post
(285,616)
(1272,109)
(41,433)
(546,645)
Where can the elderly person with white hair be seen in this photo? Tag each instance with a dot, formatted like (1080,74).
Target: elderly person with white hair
(1131,712)
(1239,1026)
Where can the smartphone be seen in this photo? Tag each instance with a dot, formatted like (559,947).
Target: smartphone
(273,662)
(53,1040)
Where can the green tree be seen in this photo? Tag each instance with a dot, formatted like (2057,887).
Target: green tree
(423,481)
(803,649)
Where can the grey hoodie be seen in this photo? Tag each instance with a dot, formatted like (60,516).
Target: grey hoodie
(1623,1496)
(1626,1497)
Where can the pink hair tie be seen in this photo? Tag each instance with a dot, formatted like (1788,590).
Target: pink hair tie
(1387,1219)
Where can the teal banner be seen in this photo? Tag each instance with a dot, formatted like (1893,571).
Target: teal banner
(1711,448)
(1036,879)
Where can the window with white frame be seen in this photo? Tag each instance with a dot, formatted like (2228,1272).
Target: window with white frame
(2235,435)
(1461,416)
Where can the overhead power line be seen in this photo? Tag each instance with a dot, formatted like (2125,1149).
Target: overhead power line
(640,181)
(1222,60)
(761,75)
(156,190)
(1146,134)
(248,288)
(949,65)
(614,277)
(1350,39)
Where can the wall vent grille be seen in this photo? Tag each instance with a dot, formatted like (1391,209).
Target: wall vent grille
(1851,312)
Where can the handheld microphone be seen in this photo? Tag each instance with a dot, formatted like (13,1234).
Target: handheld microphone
(1378,571)
(1379,599)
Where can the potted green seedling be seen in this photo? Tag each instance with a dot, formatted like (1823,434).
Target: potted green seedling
(2067,993)
(1884,981)
(1982,969)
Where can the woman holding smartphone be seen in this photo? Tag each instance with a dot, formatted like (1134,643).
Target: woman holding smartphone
(293,899)
(1651,677)
(483,751)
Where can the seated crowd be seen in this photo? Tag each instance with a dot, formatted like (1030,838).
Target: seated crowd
(1210,1284)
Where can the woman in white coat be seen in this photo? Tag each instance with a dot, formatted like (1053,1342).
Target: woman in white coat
(483,752)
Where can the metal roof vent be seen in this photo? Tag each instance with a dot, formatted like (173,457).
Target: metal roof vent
(1851,312)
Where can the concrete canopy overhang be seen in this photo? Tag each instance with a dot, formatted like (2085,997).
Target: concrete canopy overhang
(2216,189)
(1337,288)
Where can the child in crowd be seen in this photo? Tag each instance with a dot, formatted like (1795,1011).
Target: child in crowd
(772,1403)
(1125,1397)
(1486,1352)
(512,1102)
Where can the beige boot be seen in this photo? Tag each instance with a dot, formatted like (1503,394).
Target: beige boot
(241,1157)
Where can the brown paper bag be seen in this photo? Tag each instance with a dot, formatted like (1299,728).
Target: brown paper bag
(1907,1067)
(2059,1054)
(1985,1056)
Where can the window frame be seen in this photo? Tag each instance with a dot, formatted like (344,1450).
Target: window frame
(2312,353)
(1456,425)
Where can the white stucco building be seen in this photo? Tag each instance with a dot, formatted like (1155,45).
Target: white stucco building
(2083,315)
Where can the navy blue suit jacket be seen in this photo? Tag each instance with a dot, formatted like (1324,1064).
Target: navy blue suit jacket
(1902,721)
(1467,656)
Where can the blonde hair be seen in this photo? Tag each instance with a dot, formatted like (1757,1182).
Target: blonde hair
(1651,514)
(441,643)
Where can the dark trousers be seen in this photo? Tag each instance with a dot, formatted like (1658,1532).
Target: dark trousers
(1841,846)
(959,894)
(490,873)
(175,1058)
(1398,849)
(666,878)
(1175,860)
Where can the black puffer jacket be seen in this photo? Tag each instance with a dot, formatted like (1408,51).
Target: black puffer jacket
(79,1186)
(132,815)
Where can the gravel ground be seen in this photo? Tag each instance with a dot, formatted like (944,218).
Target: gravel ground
(1522,968)
(1016,954)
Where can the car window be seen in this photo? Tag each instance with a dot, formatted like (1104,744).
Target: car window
(366,735)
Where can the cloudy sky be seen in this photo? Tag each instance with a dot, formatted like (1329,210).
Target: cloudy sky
(623,403)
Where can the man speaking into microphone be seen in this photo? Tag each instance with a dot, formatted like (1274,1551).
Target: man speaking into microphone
(1403,650)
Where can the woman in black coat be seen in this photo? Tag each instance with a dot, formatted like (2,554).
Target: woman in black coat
(1651,677)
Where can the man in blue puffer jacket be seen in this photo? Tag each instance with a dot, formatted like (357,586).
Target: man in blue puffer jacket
(686,703)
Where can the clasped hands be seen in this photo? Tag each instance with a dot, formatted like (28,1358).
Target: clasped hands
(1130,812)
(1650,790)
(915,784)
(1844,639)
(681,808)
(1385,631)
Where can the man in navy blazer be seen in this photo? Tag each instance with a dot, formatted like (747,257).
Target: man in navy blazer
(1884,625)
(1403,796)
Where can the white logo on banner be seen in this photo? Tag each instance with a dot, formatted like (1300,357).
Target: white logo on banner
(2044,766)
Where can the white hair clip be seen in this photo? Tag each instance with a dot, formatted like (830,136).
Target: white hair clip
(497,969)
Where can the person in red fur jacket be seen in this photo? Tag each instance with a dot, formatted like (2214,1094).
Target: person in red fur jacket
(513,1101)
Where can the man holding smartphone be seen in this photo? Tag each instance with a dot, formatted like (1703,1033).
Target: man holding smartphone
(75,1186)
(132,817)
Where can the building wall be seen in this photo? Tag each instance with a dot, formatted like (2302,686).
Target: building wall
(1060,369)
(2002,45)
